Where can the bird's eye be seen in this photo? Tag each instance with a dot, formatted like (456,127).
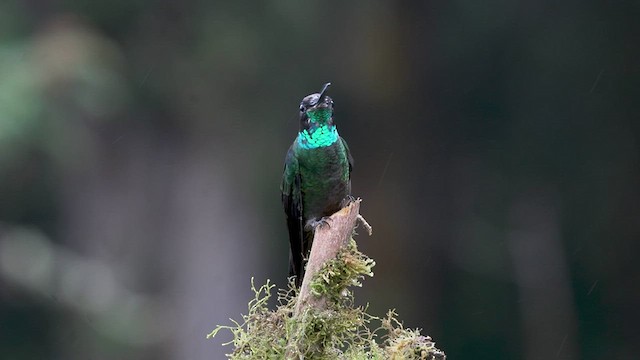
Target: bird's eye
(301,107)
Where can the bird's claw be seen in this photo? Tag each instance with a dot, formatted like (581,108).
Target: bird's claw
(313,223)
(347,201)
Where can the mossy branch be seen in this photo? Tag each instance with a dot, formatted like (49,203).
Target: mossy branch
(328,240)
(321,321)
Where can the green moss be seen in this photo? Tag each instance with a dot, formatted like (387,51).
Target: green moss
(336,276)
(404,343)
(262,332)
(342,331)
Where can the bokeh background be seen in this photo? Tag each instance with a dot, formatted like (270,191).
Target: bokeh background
(496,148)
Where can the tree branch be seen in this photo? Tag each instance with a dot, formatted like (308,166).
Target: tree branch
(327,241)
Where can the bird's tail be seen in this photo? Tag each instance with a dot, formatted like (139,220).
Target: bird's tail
(300,247)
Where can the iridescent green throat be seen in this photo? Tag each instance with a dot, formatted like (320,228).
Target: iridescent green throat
(320,133)
(322,136)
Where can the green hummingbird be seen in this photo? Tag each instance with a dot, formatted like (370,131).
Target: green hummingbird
(317,177)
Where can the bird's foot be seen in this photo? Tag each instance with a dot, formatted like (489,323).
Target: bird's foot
(314,223)
(347,201)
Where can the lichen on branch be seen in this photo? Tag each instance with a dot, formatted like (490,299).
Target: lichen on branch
(321,321)
(337,275)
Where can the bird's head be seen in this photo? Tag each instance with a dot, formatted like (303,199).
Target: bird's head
(316,111)
(316,121)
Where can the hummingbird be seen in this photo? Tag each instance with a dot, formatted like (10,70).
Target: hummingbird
(317,177)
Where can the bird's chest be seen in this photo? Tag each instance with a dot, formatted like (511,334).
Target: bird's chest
(324,179)
(321,164)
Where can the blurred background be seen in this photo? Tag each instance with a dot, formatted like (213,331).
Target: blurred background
(496,148)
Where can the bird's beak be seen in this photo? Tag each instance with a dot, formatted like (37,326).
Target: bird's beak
(324,90)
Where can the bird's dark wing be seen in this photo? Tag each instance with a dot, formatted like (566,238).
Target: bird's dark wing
(292,202)
(349,157)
